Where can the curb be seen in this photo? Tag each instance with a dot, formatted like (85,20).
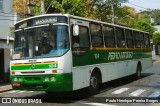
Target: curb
(6,90)
(155,61)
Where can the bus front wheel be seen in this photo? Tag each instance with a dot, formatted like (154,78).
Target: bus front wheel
(94,83)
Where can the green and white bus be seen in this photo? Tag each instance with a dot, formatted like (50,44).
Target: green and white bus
(62,52)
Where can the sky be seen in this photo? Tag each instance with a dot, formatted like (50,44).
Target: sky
(143,4)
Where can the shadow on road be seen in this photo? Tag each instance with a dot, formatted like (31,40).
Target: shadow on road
(121,82)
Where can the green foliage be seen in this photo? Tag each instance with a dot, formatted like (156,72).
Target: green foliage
(95,9)
(103,10)
(144,17)
(156,38)
(156,15)
(74,7)
(144,26)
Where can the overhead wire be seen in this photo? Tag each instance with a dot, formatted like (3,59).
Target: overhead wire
(139,6)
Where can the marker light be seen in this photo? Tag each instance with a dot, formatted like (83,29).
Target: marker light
(13,73)
(54,71)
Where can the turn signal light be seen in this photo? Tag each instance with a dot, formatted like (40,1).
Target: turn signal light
(54,71)
(13,73)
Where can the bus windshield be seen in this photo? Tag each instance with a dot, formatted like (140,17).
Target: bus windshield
(41,42)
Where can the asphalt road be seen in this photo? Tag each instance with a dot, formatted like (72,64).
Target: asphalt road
(147,86)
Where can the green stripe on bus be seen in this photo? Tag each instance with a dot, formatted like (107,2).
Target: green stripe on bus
(106,56)
(34,66)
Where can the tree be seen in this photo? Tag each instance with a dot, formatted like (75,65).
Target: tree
(127,17)
(156,15)
(74,7)
(156,38)
(94,9)
(144,26)
(101,9)
(21,6)
(144,17)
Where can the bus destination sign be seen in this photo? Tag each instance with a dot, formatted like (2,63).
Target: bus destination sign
(45,20)
(42,20)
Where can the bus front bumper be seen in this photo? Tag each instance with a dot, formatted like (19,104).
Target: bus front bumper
(50,83)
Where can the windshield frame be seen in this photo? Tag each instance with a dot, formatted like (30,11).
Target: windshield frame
(39,26)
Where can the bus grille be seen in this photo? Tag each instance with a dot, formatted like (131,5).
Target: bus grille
(35,72)
(32,78)
(35,86)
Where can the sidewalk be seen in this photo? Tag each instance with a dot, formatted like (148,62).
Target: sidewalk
(6,87)
(155,57)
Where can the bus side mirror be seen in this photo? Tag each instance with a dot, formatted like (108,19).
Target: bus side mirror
(8,40)
(37,48)
(75,30)
(9,34)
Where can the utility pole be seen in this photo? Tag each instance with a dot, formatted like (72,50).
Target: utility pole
(29,8)
(42,7)
(112,6)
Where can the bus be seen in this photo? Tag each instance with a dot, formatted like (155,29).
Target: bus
(62,52)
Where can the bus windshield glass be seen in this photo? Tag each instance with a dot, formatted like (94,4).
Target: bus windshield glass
(41,42)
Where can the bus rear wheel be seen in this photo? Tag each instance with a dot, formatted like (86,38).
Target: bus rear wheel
(94,83)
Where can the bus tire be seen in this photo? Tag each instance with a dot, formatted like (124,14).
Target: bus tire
(138,71)
(94,83)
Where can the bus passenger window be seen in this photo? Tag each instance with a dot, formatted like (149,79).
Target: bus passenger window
(96,35)
(142,40)
(120,37)
(109,36)
(129,38)
(147,40)
(137,39)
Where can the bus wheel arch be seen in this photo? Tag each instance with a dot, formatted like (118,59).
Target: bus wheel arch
(95,80)
(138,70)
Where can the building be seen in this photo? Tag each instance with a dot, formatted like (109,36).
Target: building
(7,21)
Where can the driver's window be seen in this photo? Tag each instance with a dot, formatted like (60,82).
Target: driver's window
(82,40)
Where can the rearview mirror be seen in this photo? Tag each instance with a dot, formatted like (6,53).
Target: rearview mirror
(37,48)
(10,34)
(8,40)
(75,30)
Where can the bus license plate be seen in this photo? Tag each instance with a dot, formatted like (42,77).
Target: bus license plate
(15,84)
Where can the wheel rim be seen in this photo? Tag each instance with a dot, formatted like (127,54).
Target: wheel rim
(94,82)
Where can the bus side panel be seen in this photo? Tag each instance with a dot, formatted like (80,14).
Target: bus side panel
(81,77)
(115,70)
(146,63)
(132,66)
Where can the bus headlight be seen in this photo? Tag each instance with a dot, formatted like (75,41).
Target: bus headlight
(20,79)
(15,79)
(46,79)
(52,78)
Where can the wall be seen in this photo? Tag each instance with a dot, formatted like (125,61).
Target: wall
(7,6)
(6,64)
(7,21)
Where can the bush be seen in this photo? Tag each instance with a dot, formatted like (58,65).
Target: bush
(156,38)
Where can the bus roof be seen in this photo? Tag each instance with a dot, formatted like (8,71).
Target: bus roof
(82,18)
